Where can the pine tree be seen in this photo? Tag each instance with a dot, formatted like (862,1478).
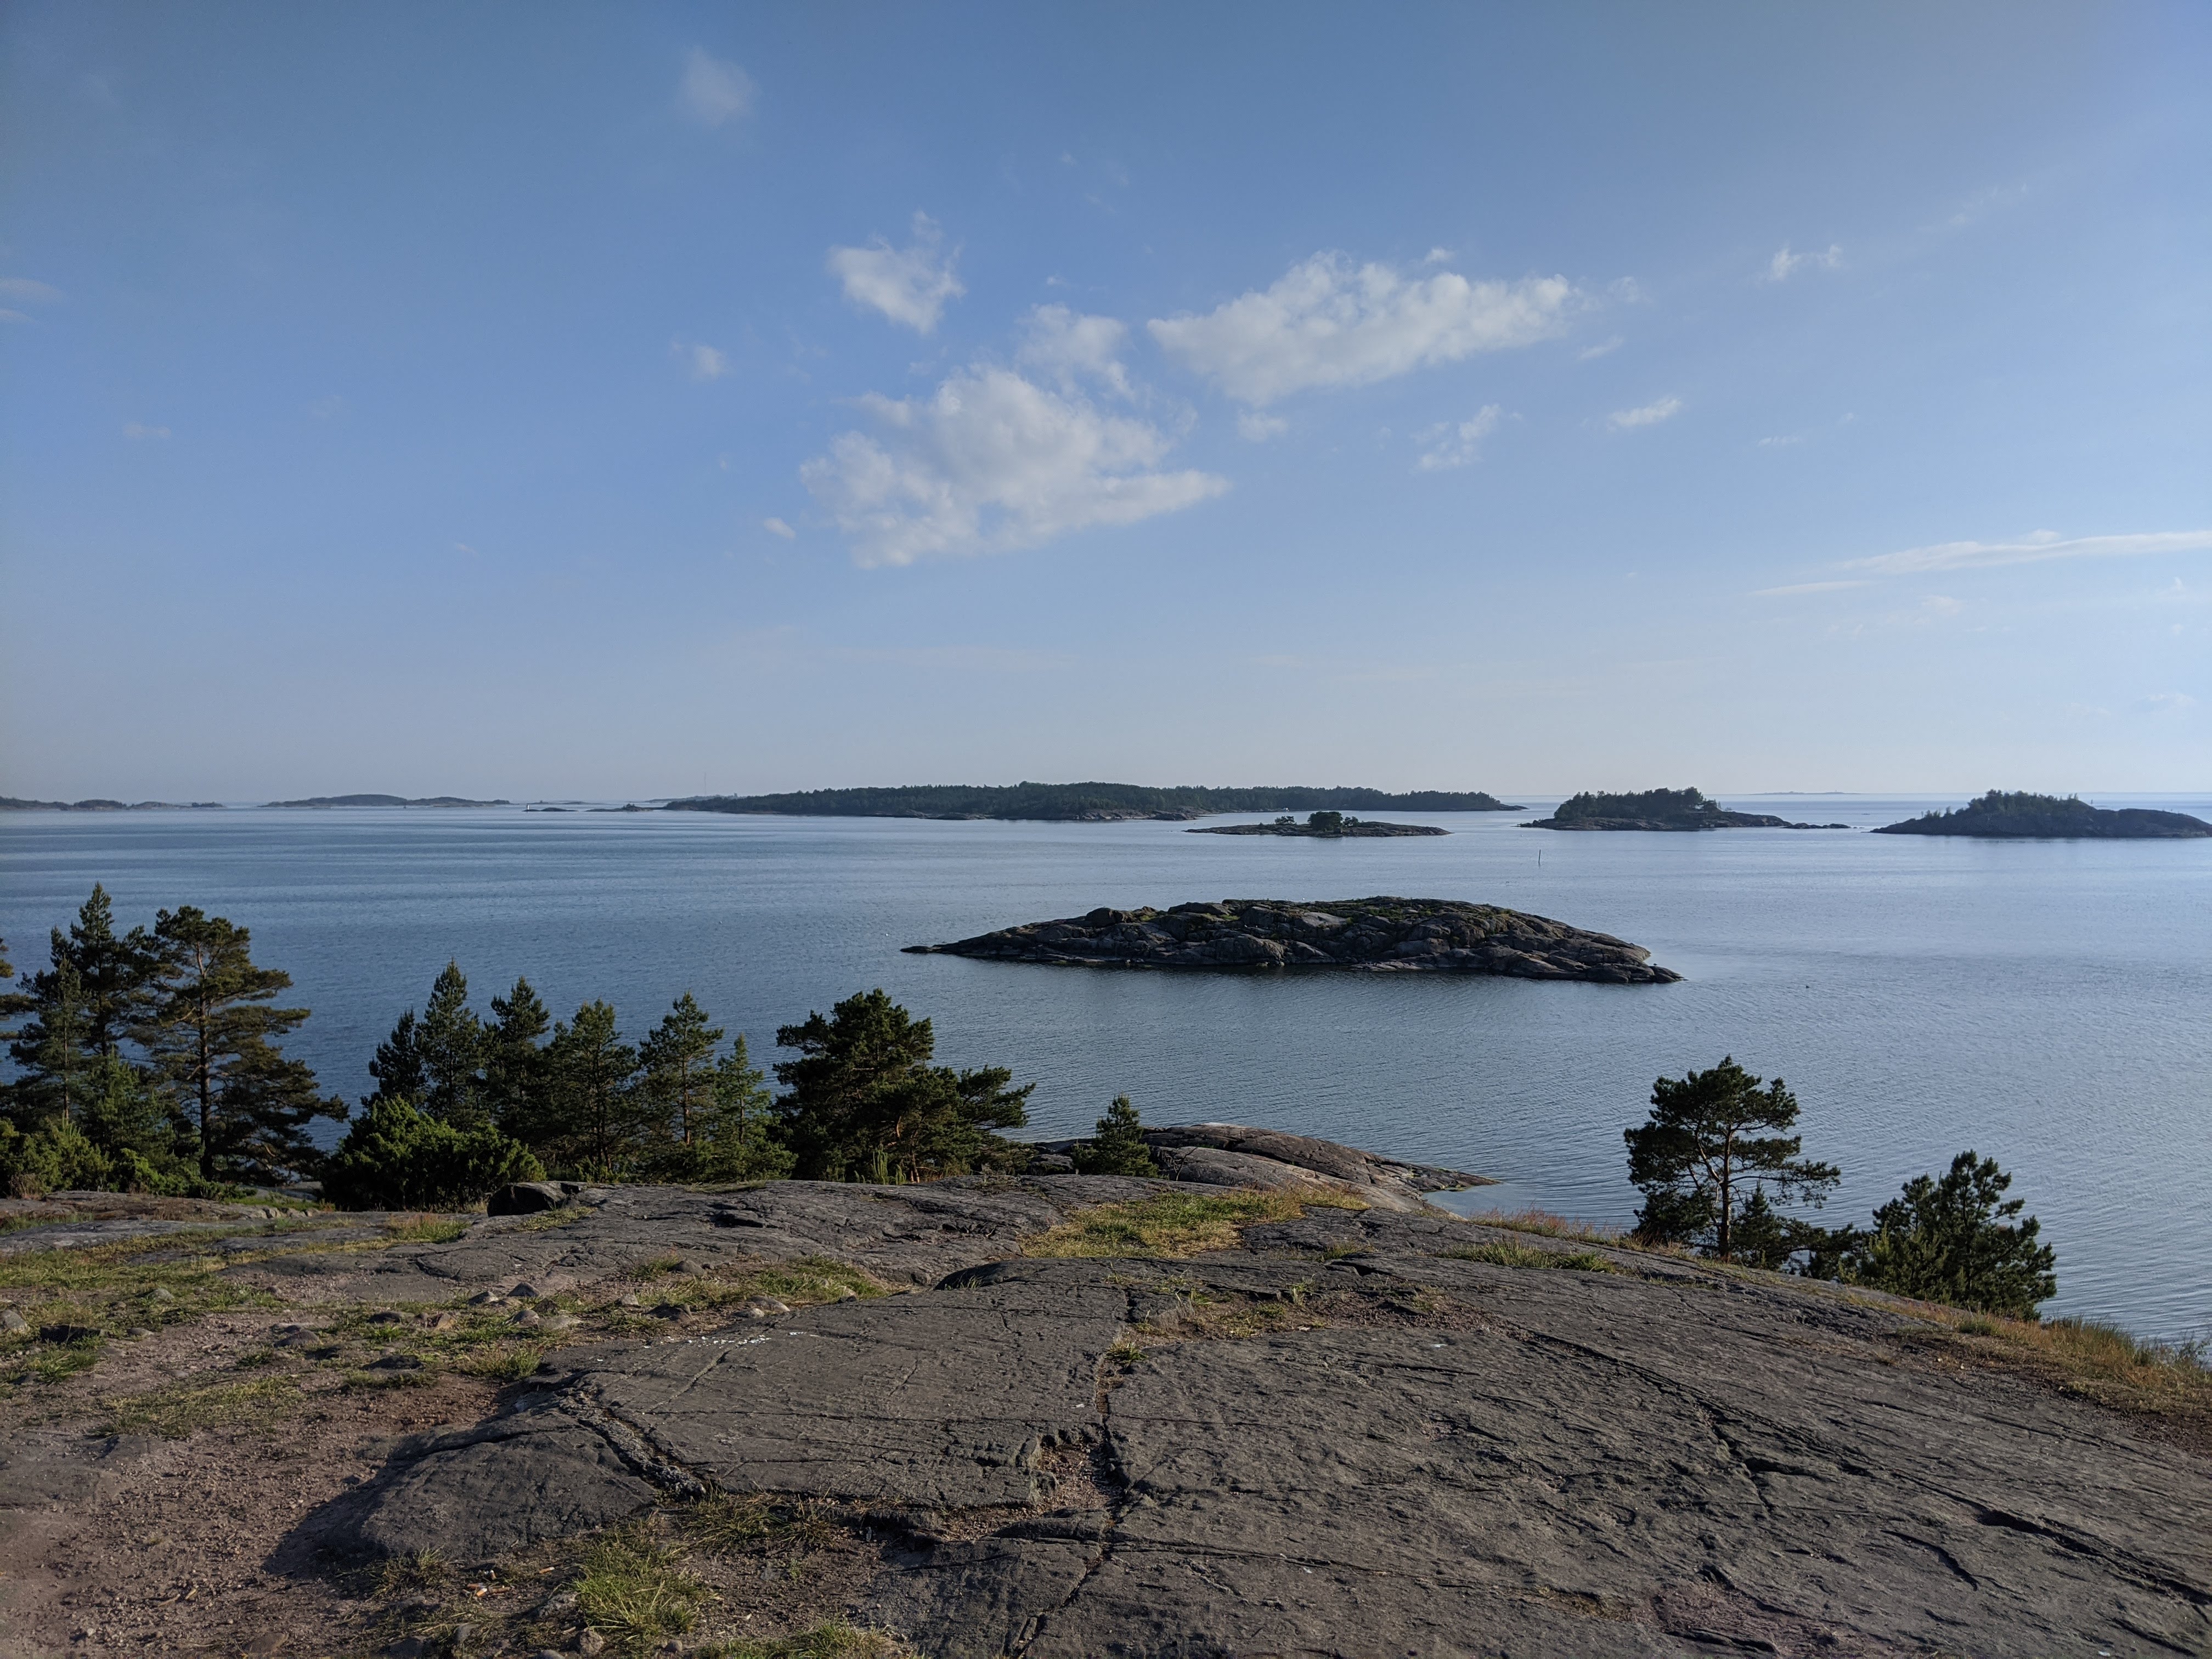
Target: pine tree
(865,1102)
(1703,1146)
(113,971)
(51,1049)
(678,1083)
(451,1042)
(1957,1240)
(398,1064)
(514,1062)
(740,1143)
(1118,1148)
(585,1121)
(214,1042)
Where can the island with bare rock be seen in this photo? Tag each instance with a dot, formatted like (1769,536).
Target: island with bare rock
(1320,826)
(1085,802)
(1368,935)
(2022,817)
(1660,808)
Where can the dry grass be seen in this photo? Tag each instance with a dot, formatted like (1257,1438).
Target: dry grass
(177,1412)
(1548,1225)
(425,1230)
(2099,1362)
(73,1298)
(634,1590)
(805,1282)
(1169,1224)
(835,1640)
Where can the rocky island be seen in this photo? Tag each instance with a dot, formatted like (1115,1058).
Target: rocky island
(1660,808)
(2022,817)
(1275,1404)
(1084,803)
(1325,826)
(1379,935)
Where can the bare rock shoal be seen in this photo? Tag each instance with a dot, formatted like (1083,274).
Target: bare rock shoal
(1369,935)
(1362,1432)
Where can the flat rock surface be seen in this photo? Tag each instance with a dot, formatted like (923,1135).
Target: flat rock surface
(1370,935)
(1361,1431)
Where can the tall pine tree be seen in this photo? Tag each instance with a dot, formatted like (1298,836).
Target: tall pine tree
(214,1041)
(514,1060)
(677,1082)
(52,1049)
(584,1120)
(451,1041)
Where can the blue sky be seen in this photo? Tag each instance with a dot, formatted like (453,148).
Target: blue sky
(628,400)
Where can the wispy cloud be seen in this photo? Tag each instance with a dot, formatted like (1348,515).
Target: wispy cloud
(1602,348)
(1784,440)
(778,527)
(1803,587)
(135,430)
(704,363)
(1781,267)
(23,291)
(909,285)
(2168,702)
(1255,428)
(2042,546)
(1666,408)
(713,91)
(992,462)
(1329,322)
(1456,444)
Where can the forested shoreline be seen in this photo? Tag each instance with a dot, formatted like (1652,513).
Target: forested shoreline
(152,1060)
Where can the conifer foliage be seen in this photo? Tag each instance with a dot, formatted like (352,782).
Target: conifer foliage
(1711,1148)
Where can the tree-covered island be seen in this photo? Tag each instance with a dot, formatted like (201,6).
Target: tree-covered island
(1084,803)
(1660,808)
(2019,816)
(1321,826)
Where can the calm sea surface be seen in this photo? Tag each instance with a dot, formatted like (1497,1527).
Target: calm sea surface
(2046,1003)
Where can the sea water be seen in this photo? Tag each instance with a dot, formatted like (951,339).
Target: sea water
(2045,1003)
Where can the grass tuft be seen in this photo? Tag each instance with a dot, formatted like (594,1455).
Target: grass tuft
(1505,1254)
(1172,1223)
(835,1640)
(1545,1223)
(425,1230)
(634,1591)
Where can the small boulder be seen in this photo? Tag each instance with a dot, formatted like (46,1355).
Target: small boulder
(523,1293)
(13,1323)
(590,1642)
(396,1362)
(527,1198)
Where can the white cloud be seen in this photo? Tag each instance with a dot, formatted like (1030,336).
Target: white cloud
(1066,344)
(2042,545)
(1329,322)
(704,363)
(1779,268)
(778,527)
(13,316)
(1666,408)
(1451,446)
(989,463)
(2169,702)
(1803,587)
(713,91)
(909,285)
(1258,428)
(133,430)
(1784,442)
(24,291)
(1602,348)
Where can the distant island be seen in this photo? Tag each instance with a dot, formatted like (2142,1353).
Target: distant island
(1327,826)
(2022,817)
(386,800)
(10,804)
(1660,808)
(1370,935)
(1081,803)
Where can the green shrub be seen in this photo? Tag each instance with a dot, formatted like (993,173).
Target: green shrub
(1118,1148)
(396,1158)
(1957,1240)
(53,1157)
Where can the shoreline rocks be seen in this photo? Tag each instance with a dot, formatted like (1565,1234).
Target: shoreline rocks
(1371,935)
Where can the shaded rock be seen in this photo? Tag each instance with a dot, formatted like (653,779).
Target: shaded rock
(530,1197)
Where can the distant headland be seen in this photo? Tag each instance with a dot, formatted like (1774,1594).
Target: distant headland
(1324,826)
(11,804)
(2022,817)
(1661,809)
(1083,803)
(387,800)
(1369,935)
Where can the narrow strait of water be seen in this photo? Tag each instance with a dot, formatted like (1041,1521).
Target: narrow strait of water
(2048,1003)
